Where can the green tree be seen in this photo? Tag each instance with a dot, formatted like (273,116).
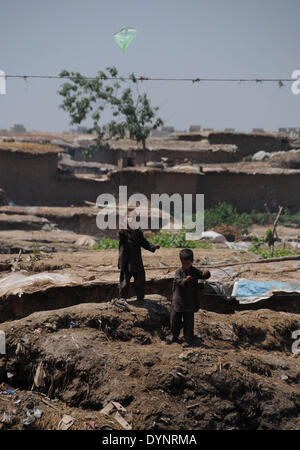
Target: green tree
(87,98)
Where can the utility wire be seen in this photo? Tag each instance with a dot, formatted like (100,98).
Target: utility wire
(143,78)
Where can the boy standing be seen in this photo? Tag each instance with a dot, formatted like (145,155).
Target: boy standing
(185,297)
(130,260)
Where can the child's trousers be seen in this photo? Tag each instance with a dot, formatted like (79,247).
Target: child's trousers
(182,318)
(139,283)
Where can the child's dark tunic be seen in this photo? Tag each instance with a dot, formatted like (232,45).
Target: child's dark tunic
(185,301)
(130,261)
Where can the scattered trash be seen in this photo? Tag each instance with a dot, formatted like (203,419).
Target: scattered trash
(213,236)
(73,339)
(66,422)
(31,416)
(74,324)
(112,406)
(284,377)
(121,303)
(17,402)
(85,241)
(6,418)
(186,355)
(162,265)
(239,245)
(28,420)
(50,326)
(22,346)
(94,426)
(193,406)
(38,330)
(181,375)
(47,227)
(39,376)
(119,407)
(10,392)
(122,421)
(215,288)
(10,375)
(165,420)
(37,413)
(107,409)
(261,156)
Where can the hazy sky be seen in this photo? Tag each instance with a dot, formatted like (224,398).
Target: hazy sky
(190,38)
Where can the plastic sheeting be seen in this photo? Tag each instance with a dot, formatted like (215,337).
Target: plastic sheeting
(213,236)
(250,291)
(17,283)
(214,288)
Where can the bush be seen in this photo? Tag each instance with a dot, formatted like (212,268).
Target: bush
(177,240)
(260,246)
(164,239)
(224,213)
(105,244)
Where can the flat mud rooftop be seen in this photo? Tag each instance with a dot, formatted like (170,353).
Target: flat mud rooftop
(70,352)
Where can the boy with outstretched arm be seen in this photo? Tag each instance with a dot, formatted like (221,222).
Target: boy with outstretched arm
(130,260)
(185,297)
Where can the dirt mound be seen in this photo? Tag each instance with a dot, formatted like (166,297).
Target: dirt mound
(242,375)
(231,232)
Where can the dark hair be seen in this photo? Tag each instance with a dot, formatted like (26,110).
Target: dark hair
(186,254)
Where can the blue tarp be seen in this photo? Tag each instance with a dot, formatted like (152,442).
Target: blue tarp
(247,291)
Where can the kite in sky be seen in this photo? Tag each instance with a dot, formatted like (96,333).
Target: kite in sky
(2,82)
(124,37)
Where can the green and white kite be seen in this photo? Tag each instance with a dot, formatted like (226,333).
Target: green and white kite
(124,37)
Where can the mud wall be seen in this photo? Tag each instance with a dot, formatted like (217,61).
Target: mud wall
(25,176)
(249,144)
(30,179)
(34,179)
(104,155)
(204,155)
(245,191)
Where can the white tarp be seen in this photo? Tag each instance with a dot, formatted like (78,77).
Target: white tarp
(16,283)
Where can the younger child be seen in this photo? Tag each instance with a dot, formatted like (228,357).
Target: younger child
(185,297)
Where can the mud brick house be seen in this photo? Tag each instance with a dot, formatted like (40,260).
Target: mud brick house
(250,143)
(176,150)
(29,175)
